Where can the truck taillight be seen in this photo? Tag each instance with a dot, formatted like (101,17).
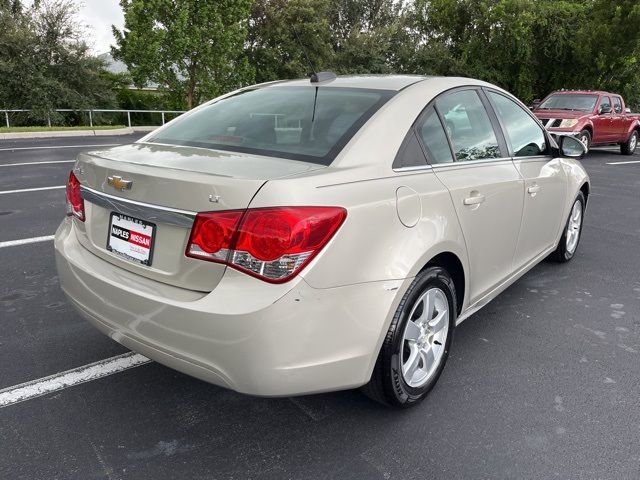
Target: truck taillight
(75,202)
(273,244)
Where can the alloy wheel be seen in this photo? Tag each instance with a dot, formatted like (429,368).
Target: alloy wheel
(573,226)
(425,335)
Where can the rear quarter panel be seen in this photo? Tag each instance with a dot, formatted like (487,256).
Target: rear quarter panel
(373,244)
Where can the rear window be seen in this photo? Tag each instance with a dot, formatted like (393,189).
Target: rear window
(301,123)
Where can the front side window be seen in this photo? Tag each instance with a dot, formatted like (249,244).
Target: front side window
(524,134)
(300,123)
(617,104)
(605,102)
(468,126)
(434,138)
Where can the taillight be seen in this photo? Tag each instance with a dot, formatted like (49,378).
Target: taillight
(75,203)
(273,244)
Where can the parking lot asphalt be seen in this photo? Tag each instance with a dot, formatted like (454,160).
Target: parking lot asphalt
(541,383)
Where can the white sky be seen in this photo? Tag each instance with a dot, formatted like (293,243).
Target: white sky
(98,16)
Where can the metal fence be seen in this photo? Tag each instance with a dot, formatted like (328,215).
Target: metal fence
(162,114)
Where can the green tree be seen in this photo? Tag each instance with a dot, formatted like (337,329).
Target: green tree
(45,63)
(611,42)
(526,46)
(365,35)
(191,48)
(289,38)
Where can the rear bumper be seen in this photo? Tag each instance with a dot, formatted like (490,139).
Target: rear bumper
(246,335)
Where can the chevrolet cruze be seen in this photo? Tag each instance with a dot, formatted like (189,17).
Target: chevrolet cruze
(307,236)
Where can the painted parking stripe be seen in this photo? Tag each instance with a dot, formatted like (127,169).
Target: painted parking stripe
(623,163)
(75,376)
(60,146)
(22,190)
(35,163)
(26,241)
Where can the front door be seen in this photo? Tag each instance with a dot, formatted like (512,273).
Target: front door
(544,179)
(603,123)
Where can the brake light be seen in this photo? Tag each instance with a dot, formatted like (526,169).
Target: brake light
(273,244)
(75,202)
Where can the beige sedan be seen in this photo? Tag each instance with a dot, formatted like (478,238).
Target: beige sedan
(307,236)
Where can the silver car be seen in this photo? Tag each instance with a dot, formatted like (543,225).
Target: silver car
(299,237)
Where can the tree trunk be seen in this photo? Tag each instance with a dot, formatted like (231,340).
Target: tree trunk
(191,84)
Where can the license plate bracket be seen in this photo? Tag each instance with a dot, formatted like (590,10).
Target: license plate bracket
(131,238)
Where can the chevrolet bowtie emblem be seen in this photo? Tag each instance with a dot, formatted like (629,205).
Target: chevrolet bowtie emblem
(119,183)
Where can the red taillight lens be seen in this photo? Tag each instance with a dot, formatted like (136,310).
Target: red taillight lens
(75,203)
(212,234)
(273,244)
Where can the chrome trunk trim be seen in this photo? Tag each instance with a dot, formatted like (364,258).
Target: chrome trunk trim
(143,211)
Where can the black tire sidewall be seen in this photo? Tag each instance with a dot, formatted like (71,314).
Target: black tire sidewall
(398,391)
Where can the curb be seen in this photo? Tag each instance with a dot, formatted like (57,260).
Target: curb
(76,133)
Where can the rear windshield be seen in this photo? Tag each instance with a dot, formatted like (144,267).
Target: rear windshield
(565,101)
(301,123)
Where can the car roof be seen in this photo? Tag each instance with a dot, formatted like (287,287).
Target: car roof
(378,82)
(583,92)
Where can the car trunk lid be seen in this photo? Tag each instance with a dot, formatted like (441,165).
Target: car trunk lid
(168,186)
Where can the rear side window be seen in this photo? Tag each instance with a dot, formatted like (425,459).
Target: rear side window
(468,126)
(301,123)
(410,153)
(523,133)
(434,138)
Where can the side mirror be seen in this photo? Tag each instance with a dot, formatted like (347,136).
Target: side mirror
(536,103)
(605,109)
(627,110)
(571,147)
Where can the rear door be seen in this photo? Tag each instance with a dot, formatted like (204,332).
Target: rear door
(622,121)
(544,179)
(485,187)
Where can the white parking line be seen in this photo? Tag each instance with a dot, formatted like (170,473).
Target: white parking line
(60,146)
(35,163)
(26,241)
(22,190)
(75,376)
(623,163)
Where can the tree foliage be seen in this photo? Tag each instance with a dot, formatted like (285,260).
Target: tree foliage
(196,49)
(529,47)
(191,48)
(44,61)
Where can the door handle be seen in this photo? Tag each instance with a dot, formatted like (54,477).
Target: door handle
(474,200)
(533,189)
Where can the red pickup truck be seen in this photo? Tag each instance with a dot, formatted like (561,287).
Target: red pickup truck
(596,118)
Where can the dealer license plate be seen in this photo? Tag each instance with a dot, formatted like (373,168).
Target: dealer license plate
(131,238)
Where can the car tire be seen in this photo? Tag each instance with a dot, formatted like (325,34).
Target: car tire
(401,377)
(568,242)
(629,147)
(585,137)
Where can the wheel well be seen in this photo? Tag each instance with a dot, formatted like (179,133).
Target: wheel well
(585,191)
(451,263)
(589,129)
